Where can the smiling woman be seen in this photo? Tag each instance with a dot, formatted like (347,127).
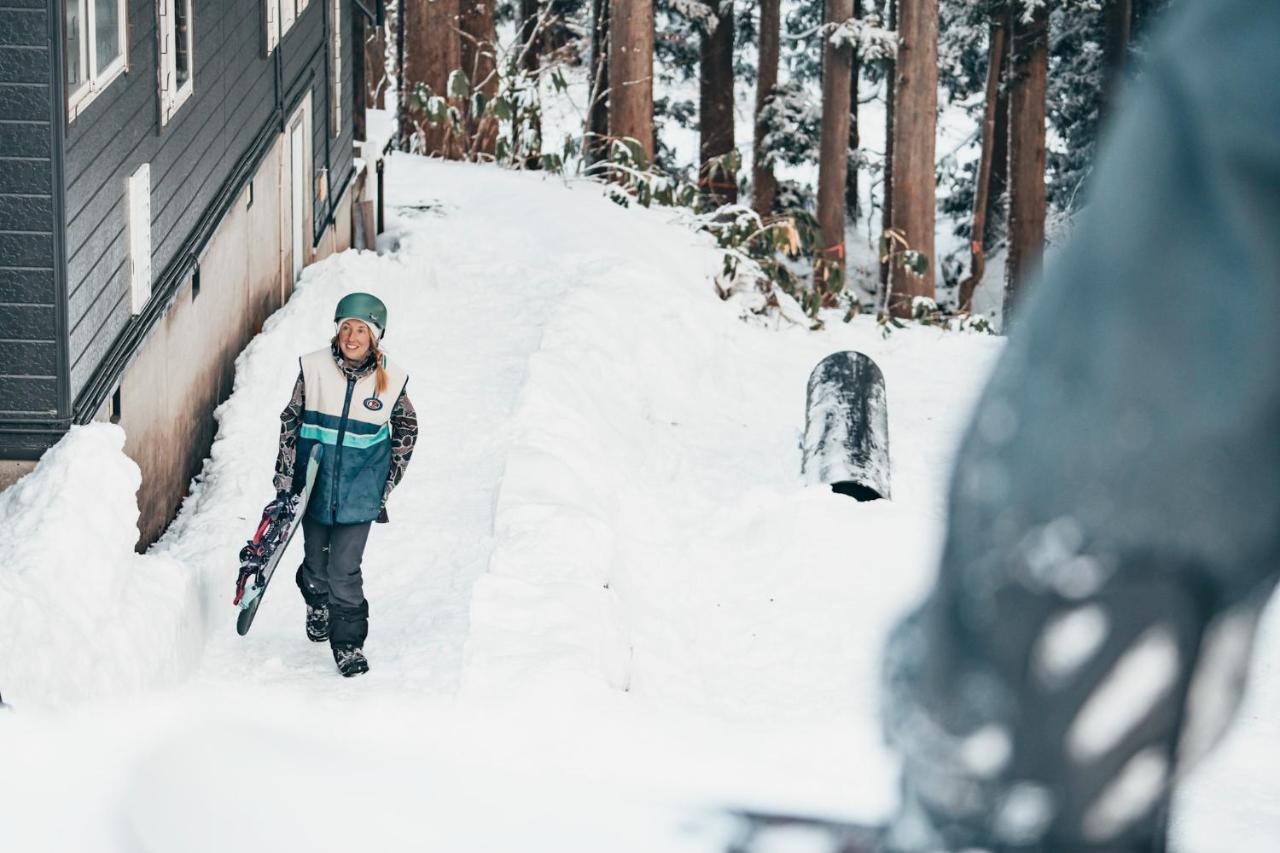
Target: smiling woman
(340,401)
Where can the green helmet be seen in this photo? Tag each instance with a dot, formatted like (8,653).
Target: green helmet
(364,307)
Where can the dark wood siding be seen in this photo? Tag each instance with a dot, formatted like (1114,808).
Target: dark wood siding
(192,157)
(29,293)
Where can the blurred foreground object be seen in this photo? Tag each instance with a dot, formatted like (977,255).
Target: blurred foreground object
(1114,522)
(846,434)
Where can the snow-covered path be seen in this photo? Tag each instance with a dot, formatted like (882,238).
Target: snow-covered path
(469,291)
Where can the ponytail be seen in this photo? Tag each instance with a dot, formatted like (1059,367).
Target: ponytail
(380,372)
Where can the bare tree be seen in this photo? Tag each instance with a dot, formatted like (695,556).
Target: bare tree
(1028,77)
(631,73)
(833,156)
(717,180)
(764,186)
(914,131)
(598,109)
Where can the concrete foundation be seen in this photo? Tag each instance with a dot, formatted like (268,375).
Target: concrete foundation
(11,471)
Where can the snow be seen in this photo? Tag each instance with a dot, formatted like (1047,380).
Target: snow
(606,607)
(82,615)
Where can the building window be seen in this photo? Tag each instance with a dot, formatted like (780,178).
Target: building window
(335,83)
(176,56)
(279,16)
(139,194)
(97,48)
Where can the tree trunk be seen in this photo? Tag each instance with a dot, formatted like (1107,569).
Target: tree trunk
(914,133)
(432,49)
(851,182)
(833,158)
(479,61)
(886,192)
(1028,74)
(631,73)
(983,180)
(530,55)
(764,186)
(375,67)
(719,183)
(530,59)
(597,143)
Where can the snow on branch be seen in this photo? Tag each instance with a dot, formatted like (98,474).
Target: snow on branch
(705,14)
(867,36)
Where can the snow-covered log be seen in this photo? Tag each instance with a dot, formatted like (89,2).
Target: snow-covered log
(846,436)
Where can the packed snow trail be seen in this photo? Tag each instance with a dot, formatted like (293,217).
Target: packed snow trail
(469,289)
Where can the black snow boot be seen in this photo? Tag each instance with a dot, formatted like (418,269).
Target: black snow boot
(318,623)
(350,661)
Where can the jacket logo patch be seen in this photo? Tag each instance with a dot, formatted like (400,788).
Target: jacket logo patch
(373,404)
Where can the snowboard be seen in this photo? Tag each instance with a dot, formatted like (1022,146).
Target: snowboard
(260,556)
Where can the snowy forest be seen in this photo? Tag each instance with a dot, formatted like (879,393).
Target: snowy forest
(722,426)
(963,117)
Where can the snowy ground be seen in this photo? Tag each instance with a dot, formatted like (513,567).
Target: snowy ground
(605,604)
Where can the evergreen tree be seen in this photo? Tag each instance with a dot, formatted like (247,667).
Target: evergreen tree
(764,186)
(717,170)
(833,160)
(910,237)
(1028,82)
(631,40)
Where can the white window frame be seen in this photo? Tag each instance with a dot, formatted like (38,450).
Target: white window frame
(336,66)
(96,81)
(172,97)
(286,12)
(273,24)
(139,199)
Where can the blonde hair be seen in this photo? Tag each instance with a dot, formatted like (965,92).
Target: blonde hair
(380,372)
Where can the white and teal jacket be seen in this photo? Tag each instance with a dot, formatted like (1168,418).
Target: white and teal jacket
(368,437)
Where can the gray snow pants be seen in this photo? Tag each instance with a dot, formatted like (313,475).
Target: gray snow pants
(330,575)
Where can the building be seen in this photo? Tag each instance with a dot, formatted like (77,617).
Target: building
(167,168)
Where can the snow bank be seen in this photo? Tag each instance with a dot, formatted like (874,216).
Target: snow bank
(81,614)
(653,534)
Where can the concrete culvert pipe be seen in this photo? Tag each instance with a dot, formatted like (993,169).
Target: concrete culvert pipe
(846,435)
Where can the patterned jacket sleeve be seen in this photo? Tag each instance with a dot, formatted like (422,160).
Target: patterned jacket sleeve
(404,435)
(290,422)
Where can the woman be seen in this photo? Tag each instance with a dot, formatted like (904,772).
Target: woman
(351,398)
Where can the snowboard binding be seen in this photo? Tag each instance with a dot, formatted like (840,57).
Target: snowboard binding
(277,522)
